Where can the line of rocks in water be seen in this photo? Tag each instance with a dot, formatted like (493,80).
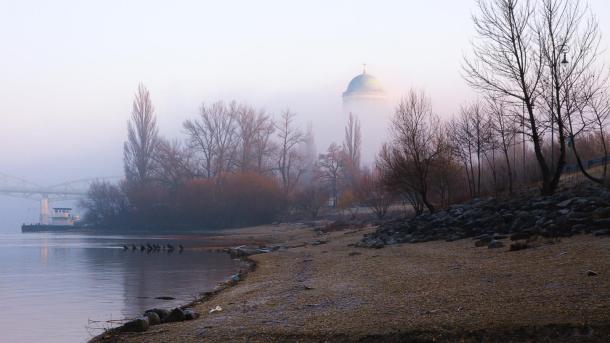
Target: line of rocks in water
(572,210)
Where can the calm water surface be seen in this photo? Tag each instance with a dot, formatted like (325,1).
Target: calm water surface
(63,287)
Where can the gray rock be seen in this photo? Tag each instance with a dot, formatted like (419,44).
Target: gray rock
(376,245)
(190,314)
(140,324)
(162,313)
(570,211)
(482,242)
(565,203)
(176,315)
(153,318)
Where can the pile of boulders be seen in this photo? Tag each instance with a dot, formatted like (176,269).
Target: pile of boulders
(158,316)
(570,211)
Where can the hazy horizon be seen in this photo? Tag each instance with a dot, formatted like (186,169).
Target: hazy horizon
(70,70)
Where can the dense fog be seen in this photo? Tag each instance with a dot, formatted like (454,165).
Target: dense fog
(69,72)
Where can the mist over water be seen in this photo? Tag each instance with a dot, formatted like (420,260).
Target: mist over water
(53,287)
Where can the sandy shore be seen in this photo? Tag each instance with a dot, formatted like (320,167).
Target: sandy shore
(421,292)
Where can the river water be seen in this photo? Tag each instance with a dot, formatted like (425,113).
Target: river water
(66,287)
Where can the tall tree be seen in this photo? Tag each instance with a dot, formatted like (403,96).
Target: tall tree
(331,167)
(352,146)
(530,53)
(289,158)
(142,139)
(254,129)
(470,136)
(214,136)
(504,130)
(417,142)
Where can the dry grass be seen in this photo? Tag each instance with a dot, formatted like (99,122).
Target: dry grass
(337,292)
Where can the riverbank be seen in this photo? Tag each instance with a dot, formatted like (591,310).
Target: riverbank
(325,288)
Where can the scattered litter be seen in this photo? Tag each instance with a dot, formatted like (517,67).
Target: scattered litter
(216,309)
(563,253)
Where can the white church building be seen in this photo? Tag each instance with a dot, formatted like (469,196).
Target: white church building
(366,99)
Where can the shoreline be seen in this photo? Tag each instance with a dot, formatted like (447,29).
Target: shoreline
(114,333)
(320,287)
(223,242)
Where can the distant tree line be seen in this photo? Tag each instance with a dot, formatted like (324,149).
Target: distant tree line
(236,166)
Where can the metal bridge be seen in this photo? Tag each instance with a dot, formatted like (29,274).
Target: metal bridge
(71,190)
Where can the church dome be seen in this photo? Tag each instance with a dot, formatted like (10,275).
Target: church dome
(364,85)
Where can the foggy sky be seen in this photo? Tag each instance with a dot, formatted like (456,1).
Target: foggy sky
(69,69)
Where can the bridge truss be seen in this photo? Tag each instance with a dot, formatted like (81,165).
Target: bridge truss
(72,190)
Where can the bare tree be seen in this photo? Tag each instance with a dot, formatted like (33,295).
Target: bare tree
(374,194)
(214,136)
(174,164)
(505,130)
(254,131)
(352,144)
(520,55)
(600,107)
(569,41)
(331,169)
(417,142)
(311,199)
(263,146)
(142,139)
(289,159)
(590,99)
(105,205)
(470,137)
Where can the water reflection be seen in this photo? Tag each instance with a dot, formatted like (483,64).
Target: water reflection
(44,251)
(61,282)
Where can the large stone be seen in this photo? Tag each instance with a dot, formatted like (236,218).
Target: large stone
(176,315)
(495,244)
(153,318)
(162,313)
(482,242)
(140,324)
(565,203)
(190,314)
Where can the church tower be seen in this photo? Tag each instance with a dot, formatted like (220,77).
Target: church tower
(366,99)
